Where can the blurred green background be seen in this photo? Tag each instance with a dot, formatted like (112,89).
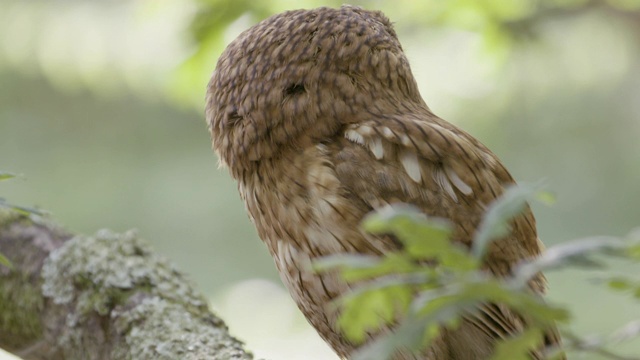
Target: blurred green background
(101,109)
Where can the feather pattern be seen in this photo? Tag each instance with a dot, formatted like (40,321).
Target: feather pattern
(317,116)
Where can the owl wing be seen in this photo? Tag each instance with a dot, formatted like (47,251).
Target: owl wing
(438,168)
(446,173)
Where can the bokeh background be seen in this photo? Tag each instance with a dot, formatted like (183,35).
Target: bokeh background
(101,110)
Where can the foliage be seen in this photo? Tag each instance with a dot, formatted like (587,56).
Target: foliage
(398,285)
(501,24)
(19,209)
(72,59)
(545,118)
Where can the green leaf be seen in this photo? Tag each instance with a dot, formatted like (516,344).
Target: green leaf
(545,197)
(414,333)
(473,294)
(518,347)
(6,175)
(361,267)
(620,284)
(426,234)
(574,253)
(424,238)
(392,263)
(408,335)
(393,218)
(21,209)
(495,223)
(437,281)
(369,311)
(355,261)
(4,261)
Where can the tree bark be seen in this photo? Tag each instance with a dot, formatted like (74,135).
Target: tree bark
(106,296)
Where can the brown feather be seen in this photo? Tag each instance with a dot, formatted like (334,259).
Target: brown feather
(317,116)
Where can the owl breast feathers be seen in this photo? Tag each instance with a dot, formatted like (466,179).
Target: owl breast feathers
(317,116)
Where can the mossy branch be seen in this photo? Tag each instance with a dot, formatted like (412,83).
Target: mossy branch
(106,296)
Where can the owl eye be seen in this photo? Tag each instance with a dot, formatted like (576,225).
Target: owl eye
(233,118)
(294,89)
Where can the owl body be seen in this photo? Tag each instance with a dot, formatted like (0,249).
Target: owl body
(317,224)
(317,116)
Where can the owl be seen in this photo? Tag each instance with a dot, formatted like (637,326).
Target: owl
(317,116)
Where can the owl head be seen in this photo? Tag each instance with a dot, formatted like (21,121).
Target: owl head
(299,77)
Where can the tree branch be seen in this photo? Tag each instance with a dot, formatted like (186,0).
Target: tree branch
(105,296)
